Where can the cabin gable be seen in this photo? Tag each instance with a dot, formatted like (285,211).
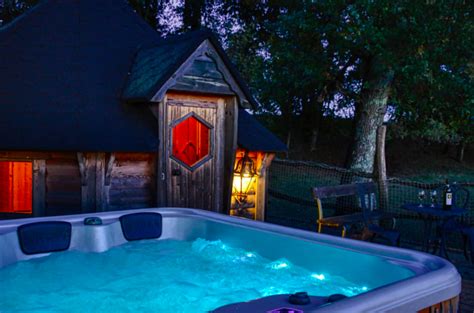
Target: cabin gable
(195,65)
(203,76)
(204,72)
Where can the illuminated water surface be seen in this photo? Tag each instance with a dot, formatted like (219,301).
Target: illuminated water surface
(146,276)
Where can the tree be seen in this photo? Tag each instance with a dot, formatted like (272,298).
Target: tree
(294,57)
(192,14)
(434,96)
(402,45)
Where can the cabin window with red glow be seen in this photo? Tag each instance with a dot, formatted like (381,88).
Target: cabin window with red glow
(16,179)
(190,141)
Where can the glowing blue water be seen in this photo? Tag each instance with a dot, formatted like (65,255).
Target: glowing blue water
(151,276)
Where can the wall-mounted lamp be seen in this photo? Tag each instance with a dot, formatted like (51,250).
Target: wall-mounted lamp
(244,177)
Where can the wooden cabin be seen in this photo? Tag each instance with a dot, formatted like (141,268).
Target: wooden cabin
(99,113)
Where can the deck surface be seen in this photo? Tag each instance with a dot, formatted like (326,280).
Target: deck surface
(466,269)
(467,294)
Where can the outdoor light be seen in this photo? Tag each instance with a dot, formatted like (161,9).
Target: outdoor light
(244,176)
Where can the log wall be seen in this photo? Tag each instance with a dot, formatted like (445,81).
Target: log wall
(76,182)
(63,184)
(133,181)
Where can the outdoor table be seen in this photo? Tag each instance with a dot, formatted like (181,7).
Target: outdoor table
(427,213)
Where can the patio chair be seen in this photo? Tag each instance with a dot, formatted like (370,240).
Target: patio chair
(369,217)
(457,226)
(345,222)
(367,193)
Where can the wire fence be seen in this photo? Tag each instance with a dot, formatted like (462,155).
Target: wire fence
(290,200)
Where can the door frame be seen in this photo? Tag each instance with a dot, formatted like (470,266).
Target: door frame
(219,145)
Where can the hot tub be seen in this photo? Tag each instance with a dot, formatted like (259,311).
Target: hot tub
(205,261)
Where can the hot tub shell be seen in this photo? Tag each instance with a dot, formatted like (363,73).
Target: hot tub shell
(436,280)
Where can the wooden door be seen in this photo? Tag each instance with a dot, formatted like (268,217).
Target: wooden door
(194,151)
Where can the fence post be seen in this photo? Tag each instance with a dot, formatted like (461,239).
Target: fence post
(382,166)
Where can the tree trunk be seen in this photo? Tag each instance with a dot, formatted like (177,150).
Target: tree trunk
(369,116)
(192,14)
(382,167)
(316,125)
(460,152)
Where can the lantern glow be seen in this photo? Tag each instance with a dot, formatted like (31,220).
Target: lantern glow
(244,177)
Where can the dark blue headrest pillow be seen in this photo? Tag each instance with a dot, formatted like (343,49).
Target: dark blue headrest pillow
(43,237)
(138,226)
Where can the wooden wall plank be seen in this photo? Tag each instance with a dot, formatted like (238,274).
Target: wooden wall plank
(262,185)
(132,181)
(23,155)
(191,188)
(100,169)
(161,174)
(219,150)
(230,149)
(69,182)
(39,187)
(63,184)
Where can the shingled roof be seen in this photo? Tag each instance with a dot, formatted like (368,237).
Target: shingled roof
(64,82)
(254,136)
(62,68)
(153,66)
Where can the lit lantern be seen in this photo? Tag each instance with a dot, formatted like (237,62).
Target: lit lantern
(244,177)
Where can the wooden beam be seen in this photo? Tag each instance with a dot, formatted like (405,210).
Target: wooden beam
(108,169)
(24,155)
(219,157)
(99,182)
(82,160)
(84,175)
(39,187)
(161,186)
(230,149)
(382,166)
(87,168)
(262,186)
(107,182)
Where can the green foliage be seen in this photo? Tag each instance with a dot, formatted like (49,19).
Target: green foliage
(434,92)
(298,52)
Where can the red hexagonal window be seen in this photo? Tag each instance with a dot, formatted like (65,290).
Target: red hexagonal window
(191,141)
